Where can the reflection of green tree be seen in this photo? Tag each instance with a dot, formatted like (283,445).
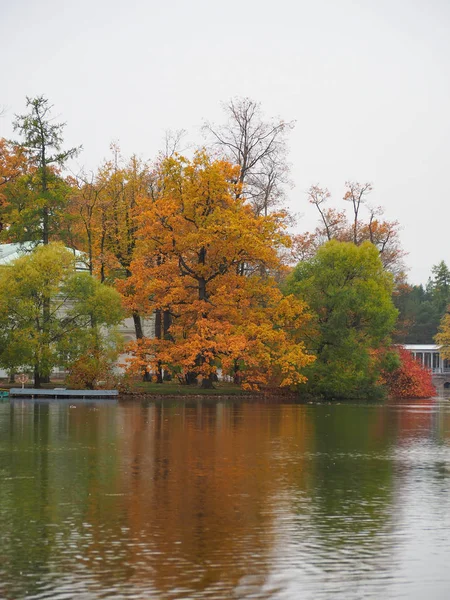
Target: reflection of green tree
(353,473)
(25,541)
(51,462)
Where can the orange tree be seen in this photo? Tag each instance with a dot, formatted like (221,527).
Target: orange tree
(409,379)
(338,225)
(101,218)
(12,162)
(12,165)
(204,258)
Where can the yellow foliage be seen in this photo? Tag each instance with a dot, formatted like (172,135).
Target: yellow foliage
(203,257)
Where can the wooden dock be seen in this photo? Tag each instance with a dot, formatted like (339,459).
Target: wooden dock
(62,393)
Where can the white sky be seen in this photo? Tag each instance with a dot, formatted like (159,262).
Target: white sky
(368,82)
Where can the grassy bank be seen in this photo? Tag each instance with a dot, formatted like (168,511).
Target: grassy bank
(139,389)
(145,387)
(174,389)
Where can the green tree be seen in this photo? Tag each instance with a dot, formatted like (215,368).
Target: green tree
(418,315)
(79,306)
(35,204)
(422,309)
(439,287)
(40,197)
(350,296)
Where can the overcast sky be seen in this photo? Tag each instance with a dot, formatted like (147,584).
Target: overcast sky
(367,81)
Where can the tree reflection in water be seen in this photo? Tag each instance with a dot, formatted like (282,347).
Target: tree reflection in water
(204,499)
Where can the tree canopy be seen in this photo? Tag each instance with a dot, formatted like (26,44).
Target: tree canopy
(350,297)
(203,256)
(35,203)
(78,307)
(421,309)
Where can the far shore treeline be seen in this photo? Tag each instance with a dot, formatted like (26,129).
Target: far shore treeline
(200,242)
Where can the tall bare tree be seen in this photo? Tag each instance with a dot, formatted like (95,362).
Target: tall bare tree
(356,193)
(356,227)
(258,146)
(172,142)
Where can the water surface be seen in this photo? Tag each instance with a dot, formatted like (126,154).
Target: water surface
(225,500)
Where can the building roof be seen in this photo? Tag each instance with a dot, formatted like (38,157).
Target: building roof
(10,252)
(422,347)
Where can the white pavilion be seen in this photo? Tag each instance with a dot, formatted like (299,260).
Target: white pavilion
(429,356)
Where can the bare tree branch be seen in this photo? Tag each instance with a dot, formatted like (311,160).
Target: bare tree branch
(259,147)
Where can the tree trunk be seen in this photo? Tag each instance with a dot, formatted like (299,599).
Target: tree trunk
(236,373)
(158,324)
(37,377)
(139,331)
(159,373)
(138,325)
(46,330)
(207,383)
(45,227)
(158,336)
(191,378)
(167,322)
(202,295)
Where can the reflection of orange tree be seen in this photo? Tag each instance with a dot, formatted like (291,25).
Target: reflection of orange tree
(199,485)
(416,421)
(396,421)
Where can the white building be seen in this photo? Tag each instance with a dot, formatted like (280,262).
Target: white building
(429,356)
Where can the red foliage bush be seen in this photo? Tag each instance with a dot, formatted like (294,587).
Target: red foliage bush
(410,379)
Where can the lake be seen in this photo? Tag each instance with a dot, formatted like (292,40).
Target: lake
(225,500)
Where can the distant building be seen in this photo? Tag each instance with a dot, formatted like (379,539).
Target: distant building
(10,252)
(429,356)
